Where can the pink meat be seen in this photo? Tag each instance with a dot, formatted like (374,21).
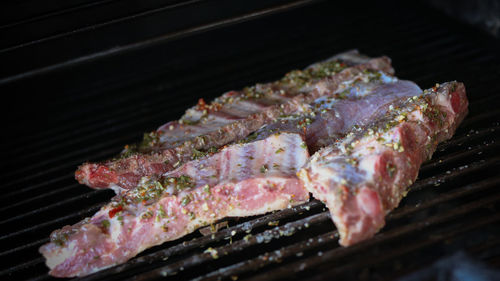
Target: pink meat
(366,175)
(229,118)
(239,180)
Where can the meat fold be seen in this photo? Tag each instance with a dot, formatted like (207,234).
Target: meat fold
(231,117)
(327,119)
(366,174)
(239,180)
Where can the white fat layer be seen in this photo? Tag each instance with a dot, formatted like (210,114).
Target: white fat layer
(61,255)
(117,189)
(351,55)
(367,165)
(278,204)
(115,229)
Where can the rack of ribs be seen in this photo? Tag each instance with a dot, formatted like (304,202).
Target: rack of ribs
(368,131)
(366,174)
(239,180)
(229,118)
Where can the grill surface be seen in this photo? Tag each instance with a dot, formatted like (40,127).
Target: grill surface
(116,69)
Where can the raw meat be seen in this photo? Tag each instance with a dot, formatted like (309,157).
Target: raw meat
(229,118)
(366,174)
(239,180)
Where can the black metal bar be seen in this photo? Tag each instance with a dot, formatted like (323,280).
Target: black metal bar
(378,239)
(39,193)
(49,136)
(329,237)
(196,243)
(275,233)
(443,177)
(408,249)
(55,13)
(132,46)
(50,222)
(463,191)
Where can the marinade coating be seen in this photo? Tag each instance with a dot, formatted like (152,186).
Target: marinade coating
(365,176)
(229,118)
(239,180)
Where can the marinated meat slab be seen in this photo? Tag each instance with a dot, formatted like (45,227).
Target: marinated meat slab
(365,176)
(271,153)
(229,118)
(247,153)
(239,180)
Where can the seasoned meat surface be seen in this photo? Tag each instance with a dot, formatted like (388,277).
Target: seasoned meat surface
(239,180)
(229,118)
(247,153)
(366,174)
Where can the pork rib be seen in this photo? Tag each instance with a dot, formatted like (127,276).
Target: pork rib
(272,158)
(239,180)
(229,118)
(366,175)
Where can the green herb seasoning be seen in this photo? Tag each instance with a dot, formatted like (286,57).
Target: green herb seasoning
(189,121)
(147,215)
(161,212)
(264,169)
(105,223)
(206,189)
(300,78)
(60,238)
(391,169)
(186,200)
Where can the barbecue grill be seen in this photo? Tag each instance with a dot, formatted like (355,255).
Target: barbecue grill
(89,76)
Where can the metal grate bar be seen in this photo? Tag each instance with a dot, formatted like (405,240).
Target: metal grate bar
(55,13)
(329,52)
(480,118)
(163,38)
(329,237)
(274,256)
(398,213)
(23,247)
(97,146)
(51,182)
(39,164)
(270,257)
(22,266)
(418,185)
(56,192)
(94,27)
(40,195)
(431,165)
(455,173)
(204,240)
(408,249)
(437,163)
(50,222)
(279,231)
(387,236)
(460,140)
(448,196)
(53,136)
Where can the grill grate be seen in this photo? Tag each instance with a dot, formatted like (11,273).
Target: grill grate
(97,99)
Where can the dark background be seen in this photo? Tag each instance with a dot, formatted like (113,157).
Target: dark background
(484,14)
(68,61)
(81,78)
